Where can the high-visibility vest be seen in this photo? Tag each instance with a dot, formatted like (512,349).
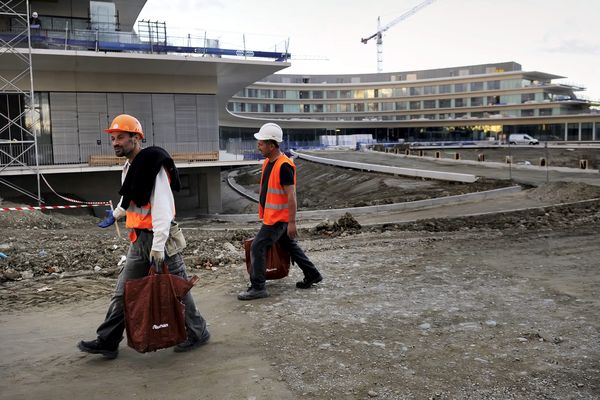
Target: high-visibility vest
(138,218)
(276,203)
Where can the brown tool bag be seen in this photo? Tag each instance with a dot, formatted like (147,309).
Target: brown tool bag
(278,260)
(154,312)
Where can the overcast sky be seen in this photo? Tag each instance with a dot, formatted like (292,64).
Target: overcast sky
(556,36)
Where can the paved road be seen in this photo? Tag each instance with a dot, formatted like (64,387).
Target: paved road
(519,174)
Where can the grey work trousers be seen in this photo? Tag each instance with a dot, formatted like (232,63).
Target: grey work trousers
(137,266)
(265,238)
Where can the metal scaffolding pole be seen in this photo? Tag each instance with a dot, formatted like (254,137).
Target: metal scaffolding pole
(19,134)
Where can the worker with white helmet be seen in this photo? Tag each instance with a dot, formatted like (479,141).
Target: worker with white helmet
(34,21)
(148,178)
(277,210)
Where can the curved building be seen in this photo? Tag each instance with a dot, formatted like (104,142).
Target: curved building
(475,102)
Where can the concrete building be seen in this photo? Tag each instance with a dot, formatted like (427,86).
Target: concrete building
(87,66)
(475,102)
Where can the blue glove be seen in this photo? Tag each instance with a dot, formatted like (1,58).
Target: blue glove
(108,221)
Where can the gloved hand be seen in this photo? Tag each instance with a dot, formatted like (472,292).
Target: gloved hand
(108,220)
(158,258)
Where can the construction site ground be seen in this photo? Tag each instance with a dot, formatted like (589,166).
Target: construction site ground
(435,303)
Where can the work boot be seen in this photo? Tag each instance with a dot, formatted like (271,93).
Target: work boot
(191,344)
(308,282)
(252,294)
(99,347)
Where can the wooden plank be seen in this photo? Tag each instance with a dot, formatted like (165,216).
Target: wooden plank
(198,156)
(105,161)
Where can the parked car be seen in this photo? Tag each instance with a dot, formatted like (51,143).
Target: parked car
(521,138)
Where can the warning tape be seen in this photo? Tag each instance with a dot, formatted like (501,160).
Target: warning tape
(91,203)
(47,207)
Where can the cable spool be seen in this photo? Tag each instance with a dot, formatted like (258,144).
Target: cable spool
(480,157)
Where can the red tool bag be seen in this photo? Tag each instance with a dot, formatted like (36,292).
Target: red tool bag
(154,312)
(278,260)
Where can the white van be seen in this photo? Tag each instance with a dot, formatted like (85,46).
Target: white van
(520,138)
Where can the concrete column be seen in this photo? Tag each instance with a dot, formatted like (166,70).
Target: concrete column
(213,190)
(566,130)
(593,130)
(579,133)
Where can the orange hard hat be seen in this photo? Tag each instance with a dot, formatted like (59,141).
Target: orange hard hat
(125,123)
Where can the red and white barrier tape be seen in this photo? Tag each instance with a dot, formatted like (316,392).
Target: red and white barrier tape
(45,207)
(91,203)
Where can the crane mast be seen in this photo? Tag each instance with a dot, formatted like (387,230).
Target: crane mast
(380,30)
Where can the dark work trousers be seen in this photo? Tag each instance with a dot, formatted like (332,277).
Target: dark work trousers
(265,238)
(137,266)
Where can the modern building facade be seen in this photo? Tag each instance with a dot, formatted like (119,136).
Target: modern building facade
(474,102)
(89,65)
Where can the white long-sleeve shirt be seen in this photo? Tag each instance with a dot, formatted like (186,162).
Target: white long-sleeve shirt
(162,207)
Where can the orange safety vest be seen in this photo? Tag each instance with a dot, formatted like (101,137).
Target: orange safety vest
(138,218)
(276,203)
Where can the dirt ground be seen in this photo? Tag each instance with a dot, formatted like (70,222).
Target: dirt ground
(501,306)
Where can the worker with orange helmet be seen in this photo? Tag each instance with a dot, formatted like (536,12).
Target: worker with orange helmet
(148,178)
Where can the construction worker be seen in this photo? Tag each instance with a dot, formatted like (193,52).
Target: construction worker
(147,202)
(277,210)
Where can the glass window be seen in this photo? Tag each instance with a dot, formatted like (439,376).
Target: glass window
(573,131)
(527,97)
(371,93)
(460,87)
(430,90)
(460,102)
(387,106)
(445,89)
(331,108)
(401,105)
(415,105)
(476,86)
(493,100)
(445,103)
(331,94)
(252,93)
(512,99)
(359,107)
(318,108)
(345,94)
(291,94)
(460,115)
(527,113)
(430,116)
(493,85)
(510,84)
(373,107)
(279,94)
(359,94)
(344,107)
(264,108)
(291,108)
(304,94)
(385,93)
(265,94)
(317,94)
(252,107)
(400,92)
(415,116)
(476,101)
(278,108)
(545,111)
(477,114)
(586,131)
(416,91)
(306,108)
(429,104)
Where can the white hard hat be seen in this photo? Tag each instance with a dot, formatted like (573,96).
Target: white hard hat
(34,15)
(270,131)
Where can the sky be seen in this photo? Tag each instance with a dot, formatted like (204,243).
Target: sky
(561,37)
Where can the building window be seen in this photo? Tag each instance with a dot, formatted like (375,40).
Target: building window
(493,85)
(460,87)
(304,94)
(252,107)
(429,104)
(476,101)
(445,103)
(318,108)
(317,94)
(371,93)
(331,94)
(415,105)
(401,105)
(266,108)
(430,90)
(400,92)
(372,107)
(265,94)
(344,107)
(476,86)
(385,93)
(345,94)
(359,94)
(416,91)
(387,106)
(527,113)
(331,108)
(460,115)
(445,89)
(279,94)
(545,111)
(251,92)
(493,100)
(477,114)
(460,102)
(528,98)
(278,108)
(359,107)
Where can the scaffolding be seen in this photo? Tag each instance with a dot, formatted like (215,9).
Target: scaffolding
(19,133)
(154,33)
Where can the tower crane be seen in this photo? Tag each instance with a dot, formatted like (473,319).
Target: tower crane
(381,29)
